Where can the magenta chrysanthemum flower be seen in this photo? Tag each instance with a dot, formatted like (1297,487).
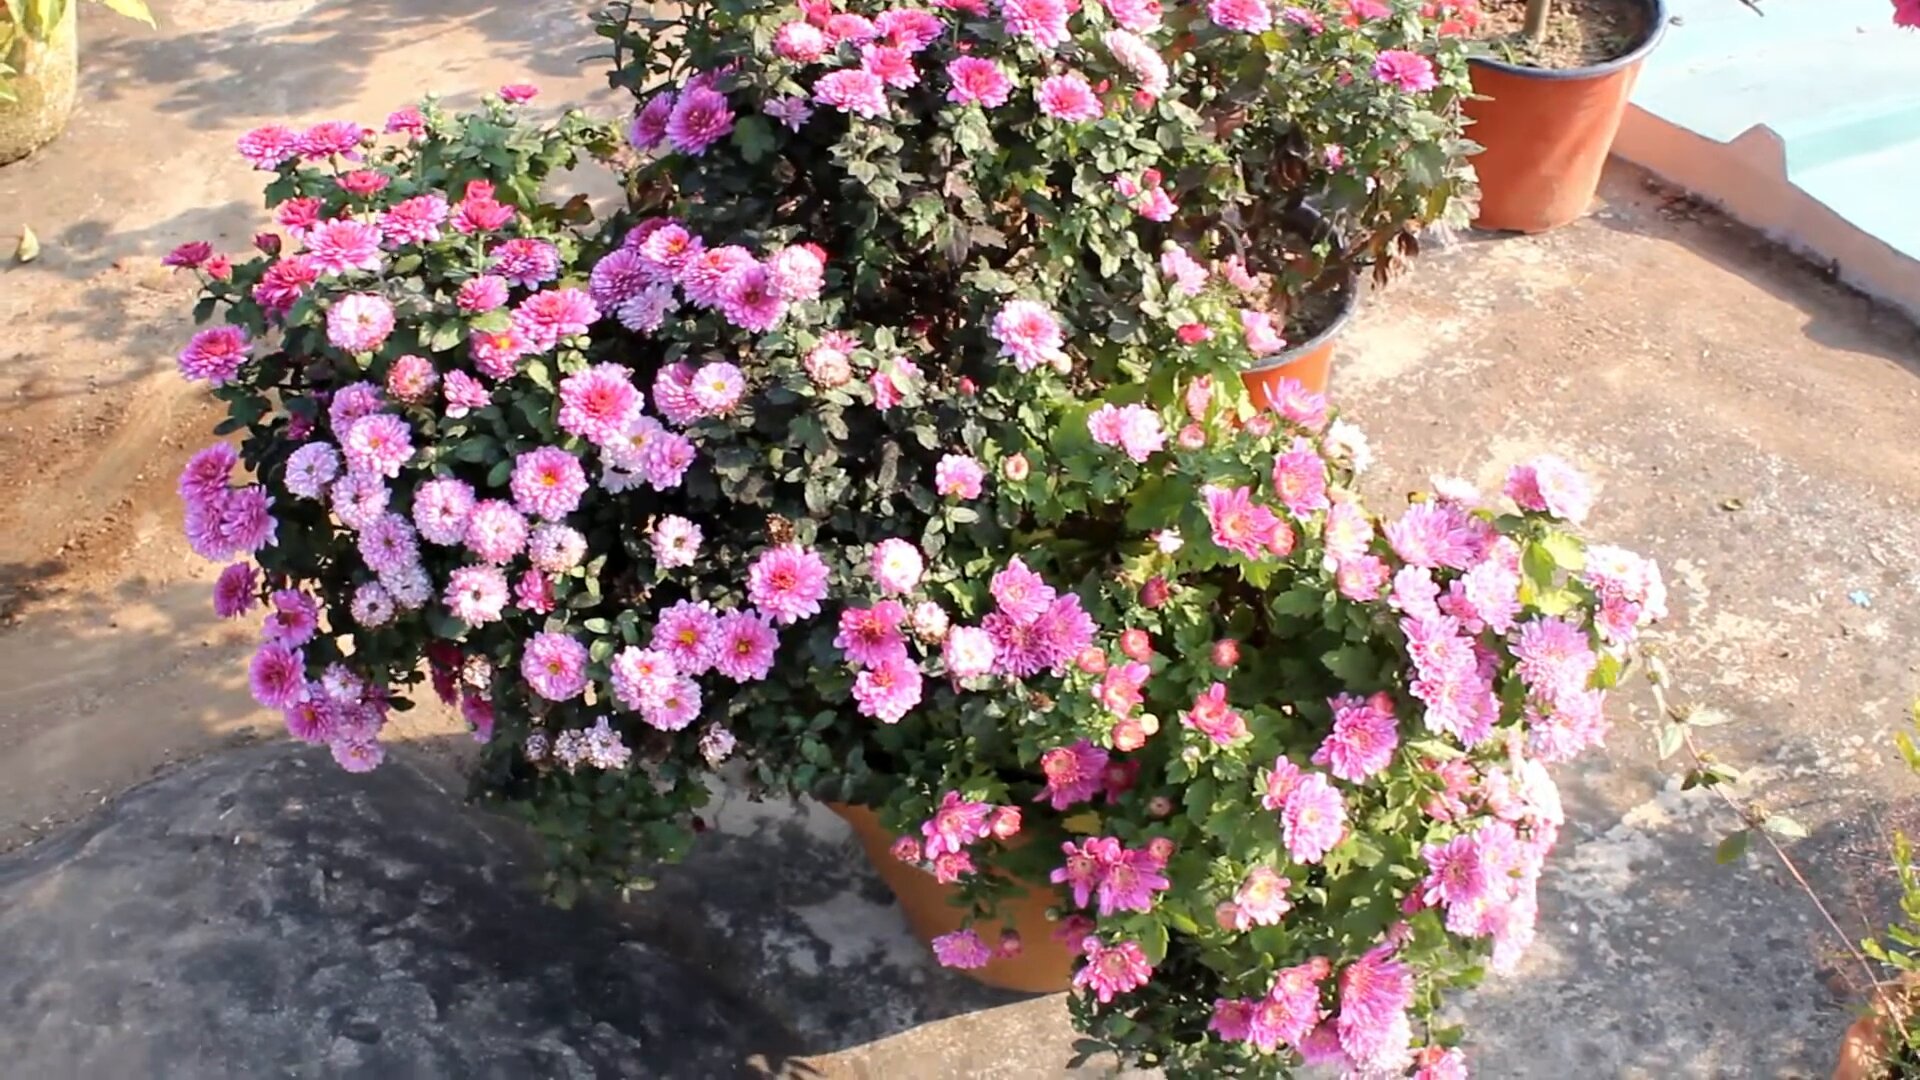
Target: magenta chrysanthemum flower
(477,595)
(891,65)
(872,635)
(699,119)
(215,354)
(846,27)
(441,508)
(749,299)
(1242,526)
(897,566)
(388,545)
(978,81)
(333,138)
(315,720)
(1375,992)
(518,93)
(344,245)
(545,319)
(1020,593)
(1128,878)
(526,262)
(1313,820)
(496,532)
(649,127)
(464,394)
(1442,1062)
(234,593)
(1109,972)
(359,322)
(619,277)
(787,583)
(292,619)
(689,633)
(283,284)
(746,646)
(1029,333)
(1348,532)
(1409,71)
(1073,774)
(351,403)
(1043,22)
(547,483)
(1261,335)
(482,294)
(959,476)
(555,666)
(1364,736)
(907,29)
(378,445)
(961,949)
(533,592)
(412,379)
(204,478)
(414,221)
(278,676)
(889,689)
(596,404)
(1906,14)
(1068,97)
(968,651)
(267,148)
(407,121)
(1133,429)
(643,677)
(1430,534)
(1246,16)
(669,248)
(359,755)
(852,91)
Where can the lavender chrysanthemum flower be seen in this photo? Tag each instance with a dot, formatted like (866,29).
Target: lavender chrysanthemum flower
(277,676)
(215,354)
(234,591)
(555,666)
(699,119)
(961,949)
(371,605)
(441,508)
(293,620)
(388,544)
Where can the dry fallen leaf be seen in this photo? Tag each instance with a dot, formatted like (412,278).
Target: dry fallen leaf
(29,248)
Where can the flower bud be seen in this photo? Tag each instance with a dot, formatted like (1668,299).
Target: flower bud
(1006,822)
(967,386)
(1160,847)
(1063,365)
(1260,425)
(1137,645)
(906,849)
(1155,592)
(1129,735)
(1149,723)
(1015,468)
(1159,806)
(268,243)
(1192,437)
(1227,915)
(1092,660)
(1226,653)
(1194,333)
(1009,944)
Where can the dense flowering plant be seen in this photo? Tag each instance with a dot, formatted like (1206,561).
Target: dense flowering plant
(907,461)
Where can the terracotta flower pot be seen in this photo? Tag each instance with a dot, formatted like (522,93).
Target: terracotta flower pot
(44,89)
(1310,362)
(1864,1053)
(1043,965)
(1547,133)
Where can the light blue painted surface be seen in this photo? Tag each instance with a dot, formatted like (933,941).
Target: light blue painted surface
(1835,79)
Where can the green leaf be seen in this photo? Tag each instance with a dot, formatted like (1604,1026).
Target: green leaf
(1299,600)
(1566,551)
(754,136)
(1354,665)
(1731,849)
(1153,941)
(1672,738)
(1782,825)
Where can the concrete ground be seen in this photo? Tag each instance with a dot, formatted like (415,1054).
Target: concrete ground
(1749,423)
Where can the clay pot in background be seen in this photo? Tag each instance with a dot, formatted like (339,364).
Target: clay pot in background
(1547,133)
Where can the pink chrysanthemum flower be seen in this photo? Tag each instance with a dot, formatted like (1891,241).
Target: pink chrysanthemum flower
(961,949)
(852,91)
(414,221)
(344,245)
(1109,972)
(412,379)
(205,476)
(891,65)
(1291,1009)
(703,275)
(699,119)
(482,294)
(1082,871)
(959,476)
(1906,14)
(406,121)
(750,300)
(1313,820)
(1128,877)
(441,508)
(1068,97)
(388,545)
(1019,593)
(846,27)
(1139,58)
(533,591)
(496,532)
(333,138)
(1409,71)
(908,29)
(526,262)
(497,353)
(1242,526)
(555,549)
(361,755)
(747,643)
(872,635)
(798,273)
(664,462)
(545,319)
(1073,774)
(1430,535)
(464,394)
(677,708)
(689,633)
(235,592)
(1450,1063)
(643,677)
(1044,22)
(1300,481)
(1555,657)
(547,483)
(897,566)
(555,666)
(956,823)
(1138,16)
(371,606)
(315,720)
(888,690)
(1133,429)
(1348,533)
(215,355)
(359,322)
(597,404)
(1364,736)
(718,387)
(1214,718)
(799,42)
(649,127)
(1246,16)
(619,277)
(1262,337)
(1375,992)
(352,403)
(669,248)
(359,499)
(1548,484)
(787,583)
(476,595)
(278,676)
(292,619)
(378,445)
(968,651)
(246,518)
(267,148)
(518,93)
(978,81)
(283,284)
(1188,275)
(1261,898)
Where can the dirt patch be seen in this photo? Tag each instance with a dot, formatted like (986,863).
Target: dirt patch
(1580,33)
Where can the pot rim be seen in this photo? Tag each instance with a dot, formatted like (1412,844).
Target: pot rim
(1592,71)
(1349,303)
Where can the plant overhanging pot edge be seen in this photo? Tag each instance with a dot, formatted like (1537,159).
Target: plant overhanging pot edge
(1307,219)
(1658,22)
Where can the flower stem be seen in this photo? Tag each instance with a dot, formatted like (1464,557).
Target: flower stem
(1537,12)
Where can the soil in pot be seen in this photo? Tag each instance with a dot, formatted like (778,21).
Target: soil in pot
(1580,33)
